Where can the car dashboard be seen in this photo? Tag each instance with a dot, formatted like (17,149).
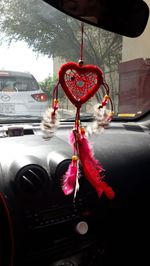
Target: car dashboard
(39,225)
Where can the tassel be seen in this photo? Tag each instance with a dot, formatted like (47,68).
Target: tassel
(50,122)
(92,168)
(69,179)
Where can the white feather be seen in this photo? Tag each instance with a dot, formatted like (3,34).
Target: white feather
(102,120)
(49,123)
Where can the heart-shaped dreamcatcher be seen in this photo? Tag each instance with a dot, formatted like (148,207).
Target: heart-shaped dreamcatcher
(80,82)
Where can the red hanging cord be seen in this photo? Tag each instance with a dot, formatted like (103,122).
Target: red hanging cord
(81,45)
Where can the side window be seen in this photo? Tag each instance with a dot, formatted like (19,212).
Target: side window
(34,85)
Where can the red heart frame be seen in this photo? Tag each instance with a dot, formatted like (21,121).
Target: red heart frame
(80,70)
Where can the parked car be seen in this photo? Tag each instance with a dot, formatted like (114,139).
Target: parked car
(20,95)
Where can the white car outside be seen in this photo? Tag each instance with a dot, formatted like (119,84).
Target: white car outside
(21,95)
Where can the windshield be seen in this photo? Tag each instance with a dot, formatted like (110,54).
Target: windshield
(36,39)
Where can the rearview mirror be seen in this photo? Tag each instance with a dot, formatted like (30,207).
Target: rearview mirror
(128,17)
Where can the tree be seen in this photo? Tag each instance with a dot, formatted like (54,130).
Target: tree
(52,33)
(48,85)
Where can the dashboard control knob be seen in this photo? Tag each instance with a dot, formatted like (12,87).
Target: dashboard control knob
(82,228)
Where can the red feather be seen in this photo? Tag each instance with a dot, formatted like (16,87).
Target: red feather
(85,149)
(92,169)
(69,179)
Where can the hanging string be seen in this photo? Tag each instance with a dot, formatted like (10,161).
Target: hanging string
(81,45)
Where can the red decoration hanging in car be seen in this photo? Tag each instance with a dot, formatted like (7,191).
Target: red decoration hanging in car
(80,82)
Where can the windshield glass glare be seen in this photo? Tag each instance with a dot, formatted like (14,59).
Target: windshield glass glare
(36,39)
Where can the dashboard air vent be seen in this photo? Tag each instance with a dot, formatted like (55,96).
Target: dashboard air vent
(32,179)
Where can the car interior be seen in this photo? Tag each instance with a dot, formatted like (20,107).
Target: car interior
(40,225)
